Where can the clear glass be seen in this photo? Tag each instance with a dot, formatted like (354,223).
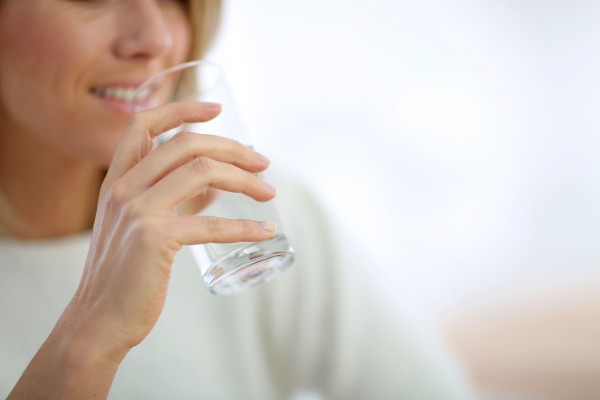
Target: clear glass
(227,268)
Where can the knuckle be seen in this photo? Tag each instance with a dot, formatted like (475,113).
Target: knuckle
(117,193)
(119,201)
(183,138)
(215,229)
(214,225)
(220,230)
(247,228)
(203,165)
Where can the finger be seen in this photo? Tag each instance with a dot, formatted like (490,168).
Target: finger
(202,229)
(184,147)
(144,126)
(200,174)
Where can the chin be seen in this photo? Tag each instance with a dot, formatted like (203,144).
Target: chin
(102,150)
(96,152)
(104,158)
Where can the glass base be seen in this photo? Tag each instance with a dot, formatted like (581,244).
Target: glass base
(249,266)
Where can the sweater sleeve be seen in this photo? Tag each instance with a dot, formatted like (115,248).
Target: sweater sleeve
(328,329)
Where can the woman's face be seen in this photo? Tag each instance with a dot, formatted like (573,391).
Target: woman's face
(67,67)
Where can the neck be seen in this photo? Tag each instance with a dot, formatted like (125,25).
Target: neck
(44,193)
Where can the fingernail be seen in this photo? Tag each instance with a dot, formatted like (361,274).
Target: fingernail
(270,187)
(269,226)
(262,159)
(211,105)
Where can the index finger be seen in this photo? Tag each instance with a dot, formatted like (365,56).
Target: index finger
(144,126)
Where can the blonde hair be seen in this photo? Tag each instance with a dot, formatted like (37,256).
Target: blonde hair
(205,16)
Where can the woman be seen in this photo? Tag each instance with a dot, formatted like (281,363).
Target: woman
(75,159)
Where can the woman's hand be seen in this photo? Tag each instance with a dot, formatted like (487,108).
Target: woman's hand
(137,233)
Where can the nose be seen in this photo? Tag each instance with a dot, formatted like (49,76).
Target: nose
(143,31)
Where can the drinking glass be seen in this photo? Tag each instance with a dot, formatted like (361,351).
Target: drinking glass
(227,268)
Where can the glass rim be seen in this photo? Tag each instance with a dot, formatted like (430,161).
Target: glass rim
(176,68)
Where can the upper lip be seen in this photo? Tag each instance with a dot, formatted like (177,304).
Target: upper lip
(129,83)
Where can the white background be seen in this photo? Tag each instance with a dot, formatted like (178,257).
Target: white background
(457,139)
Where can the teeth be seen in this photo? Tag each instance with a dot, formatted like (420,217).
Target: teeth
(117,93)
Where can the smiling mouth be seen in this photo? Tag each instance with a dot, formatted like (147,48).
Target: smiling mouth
(120,93)
(123,93)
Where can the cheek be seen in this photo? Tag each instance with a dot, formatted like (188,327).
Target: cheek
(181,32)
(37,46)
(36,52)
(43,60)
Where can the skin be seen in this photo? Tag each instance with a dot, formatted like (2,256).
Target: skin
(64,140)
(53,52)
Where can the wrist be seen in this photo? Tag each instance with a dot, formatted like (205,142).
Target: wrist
(85,341)
(71,364)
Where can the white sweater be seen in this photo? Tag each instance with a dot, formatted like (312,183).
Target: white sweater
(319,328)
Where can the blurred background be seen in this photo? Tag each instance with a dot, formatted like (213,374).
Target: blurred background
(459,141)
